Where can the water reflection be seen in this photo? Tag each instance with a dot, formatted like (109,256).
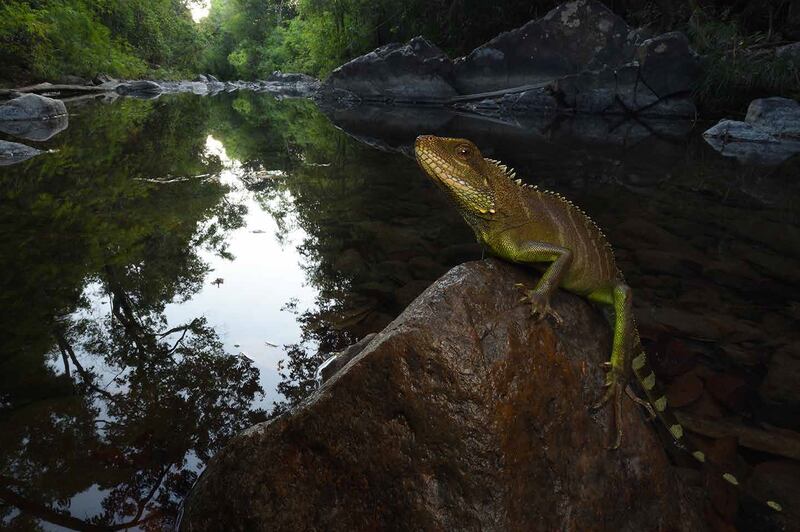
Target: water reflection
(178,268)
(124,365)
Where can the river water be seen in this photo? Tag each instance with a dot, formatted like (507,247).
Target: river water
(174,270)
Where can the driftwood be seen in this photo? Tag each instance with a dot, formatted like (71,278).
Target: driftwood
(781,442)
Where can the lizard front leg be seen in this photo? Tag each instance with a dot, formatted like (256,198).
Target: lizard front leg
(559,259)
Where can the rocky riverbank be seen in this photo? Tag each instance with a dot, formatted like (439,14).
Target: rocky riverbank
(37,112)
(579,58)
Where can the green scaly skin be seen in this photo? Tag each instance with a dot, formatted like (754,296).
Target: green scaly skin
(542,229)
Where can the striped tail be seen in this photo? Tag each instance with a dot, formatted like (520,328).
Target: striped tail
(655,396)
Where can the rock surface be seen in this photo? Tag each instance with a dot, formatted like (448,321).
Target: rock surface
(411,72)
(13,153)
(769,135)
(575,36)
(35,130)
(461,415)
(139,88)
(580,57)
(289,85)
(32,107)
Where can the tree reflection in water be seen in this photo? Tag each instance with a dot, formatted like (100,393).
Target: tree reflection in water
(107,411)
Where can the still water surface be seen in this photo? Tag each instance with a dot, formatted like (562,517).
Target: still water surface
(176,269)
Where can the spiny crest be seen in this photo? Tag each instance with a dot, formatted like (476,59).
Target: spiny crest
(587,219)
(510,173)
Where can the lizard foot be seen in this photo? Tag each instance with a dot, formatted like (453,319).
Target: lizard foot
(615,384)
(540,304)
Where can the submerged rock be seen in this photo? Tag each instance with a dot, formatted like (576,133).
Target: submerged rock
(32,107)
(769,135)
(413,72)
(36,130)
(13,153)
(462,414)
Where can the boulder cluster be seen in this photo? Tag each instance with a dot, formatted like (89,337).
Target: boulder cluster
(579,58)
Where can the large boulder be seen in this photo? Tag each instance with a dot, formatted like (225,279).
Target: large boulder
(769,135)
(575,36)
(413,72)
(462,414)
(579,58)
(32,107)
(13,153)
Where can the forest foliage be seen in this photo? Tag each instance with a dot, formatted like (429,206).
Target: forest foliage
(49,39)
(249,39)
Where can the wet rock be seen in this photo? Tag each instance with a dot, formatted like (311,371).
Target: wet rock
(212,78)
(335,363)
(201,78)
(140,87)
(769,135)
(620,91)
(291,77)
(779,116)
(667,65)
(782,382)
(32,107)
(541,99)
(100,79)
(289,85)
(778,480)
(35,130)
(340,98)
(413,72)
(790,52)
(461,415)
(13,153)
(684,390)
(575,36)
(33,117)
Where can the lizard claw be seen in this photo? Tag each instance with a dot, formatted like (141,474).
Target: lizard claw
(540,305)
(613,394)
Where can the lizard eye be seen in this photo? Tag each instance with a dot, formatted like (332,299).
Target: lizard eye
(464,151)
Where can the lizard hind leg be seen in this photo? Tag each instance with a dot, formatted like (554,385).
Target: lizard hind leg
(625,337)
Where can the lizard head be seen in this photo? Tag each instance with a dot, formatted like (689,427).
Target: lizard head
(458,166)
